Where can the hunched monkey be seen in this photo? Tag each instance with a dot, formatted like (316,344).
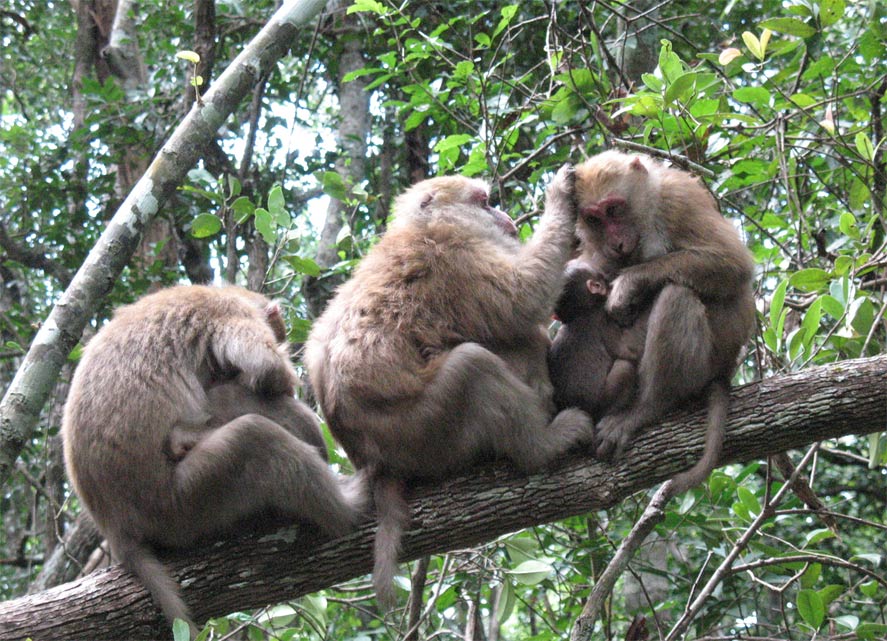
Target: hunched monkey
(593,361)
(418,361)
(139,442)
(690,268)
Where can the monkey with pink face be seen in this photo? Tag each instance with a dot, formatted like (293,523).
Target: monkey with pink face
(683,278)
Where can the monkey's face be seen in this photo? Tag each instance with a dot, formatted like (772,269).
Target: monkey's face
(585,290)
(457,198)
(611,189)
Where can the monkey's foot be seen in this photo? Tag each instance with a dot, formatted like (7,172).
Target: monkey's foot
(614,433)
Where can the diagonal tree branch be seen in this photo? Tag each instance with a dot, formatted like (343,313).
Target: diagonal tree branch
(30,388)
(775,415)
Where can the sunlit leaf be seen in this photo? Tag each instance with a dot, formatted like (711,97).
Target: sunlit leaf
(191,56)
(205,225)
(728,55)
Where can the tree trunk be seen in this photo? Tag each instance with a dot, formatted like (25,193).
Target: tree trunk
(772,416)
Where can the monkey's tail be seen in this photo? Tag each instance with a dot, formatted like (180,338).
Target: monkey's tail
(718,400)
(393,515)
(140,561)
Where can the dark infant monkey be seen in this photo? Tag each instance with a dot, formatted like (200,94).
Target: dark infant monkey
(593,360)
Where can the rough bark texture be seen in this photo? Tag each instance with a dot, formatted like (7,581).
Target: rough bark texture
(775,415)
(33,381)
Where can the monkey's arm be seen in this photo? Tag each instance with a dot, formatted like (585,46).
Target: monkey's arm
(252,351)
(538,267)
(713,273)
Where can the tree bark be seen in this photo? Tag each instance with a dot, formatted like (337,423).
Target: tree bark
(775,415)
(33,382)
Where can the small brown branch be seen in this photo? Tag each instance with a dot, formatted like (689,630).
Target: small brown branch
(653,515)
(420,576)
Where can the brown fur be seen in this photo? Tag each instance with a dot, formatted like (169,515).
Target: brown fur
(593,360)
(160,461)
(690,270)
(420,361)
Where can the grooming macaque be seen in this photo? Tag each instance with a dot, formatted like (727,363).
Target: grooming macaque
(593,360)
(689,268)
(180,423)
(420,362)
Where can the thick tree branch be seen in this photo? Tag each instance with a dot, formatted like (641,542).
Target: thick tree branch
(30,388)
(775,415)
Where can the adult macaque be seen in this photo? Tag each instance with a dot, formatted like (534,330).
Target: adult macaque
(690,269)
(161,462)
(419,361)
(593,360)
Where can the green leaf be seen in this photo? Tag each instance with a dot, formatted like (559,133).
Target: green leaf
(565,109)
(367,5)
(508,14)
(277,616)
(810,280)
(669,62)
(652,82)
(181,631)
(191,56)
(507,600)
(521,548)
(265,225)
(452,142)
(830,11)
(790,26)
(869,588)
(682,88)
(810,608)
(871,631)
(815,536)
(812,317)
(864,146)
(847,621)
(811,575)
(463,69)
(303,265)
(754,45)
(333,185)
(205,225)
(277,207)
(748,499)
(832,306)
(831,592)
(752,95)
(777,302)
(233,186)
(243,208)
(531,572)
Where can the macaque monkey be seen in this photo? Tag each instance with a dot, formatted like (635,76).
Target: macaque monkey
(689,268)
(419,361)
(180,423)
(593,361)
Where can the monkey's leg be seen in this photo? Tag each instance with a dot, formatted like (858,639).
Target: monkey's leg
(252,464)
(676,365)
(620,386)
(476,403)
(227,401)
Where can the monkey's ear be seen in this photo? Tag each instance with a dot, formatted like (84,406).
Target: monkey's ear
(596,287)
(637,165)
(426,200)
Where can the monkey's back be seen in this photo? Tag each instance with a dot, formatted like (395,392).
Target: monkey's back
(142,374)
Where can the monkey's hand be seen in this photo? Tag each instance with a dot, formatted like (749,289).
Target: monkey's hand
(560,196)
(628,295)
